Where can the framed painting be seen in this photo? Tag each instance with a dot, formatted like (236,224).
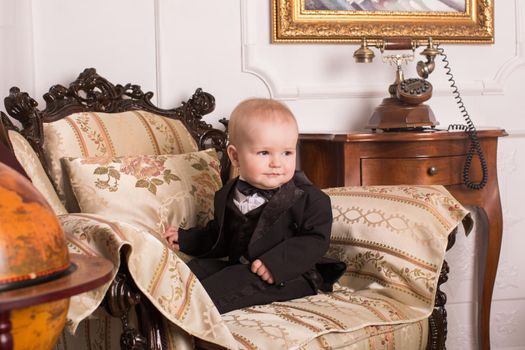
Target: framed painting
(342,21)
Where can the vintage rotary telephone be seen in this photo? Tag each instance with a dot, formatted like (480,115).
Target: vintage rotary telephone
(404,110)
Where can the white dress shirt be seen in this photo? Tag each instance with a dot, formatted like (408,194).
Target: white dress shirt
(247,203)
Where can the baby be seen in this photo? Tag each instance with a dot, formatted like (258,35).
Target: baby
(271,222)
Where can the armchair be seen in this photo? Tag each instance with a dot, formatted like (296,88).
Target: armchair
(116,169)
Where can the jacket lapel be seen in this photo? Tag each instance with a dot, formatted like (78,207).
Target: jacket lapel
(277,206)
(220,201)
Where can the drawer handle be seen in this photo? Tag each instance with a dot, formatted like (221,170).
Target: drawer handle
(432,171)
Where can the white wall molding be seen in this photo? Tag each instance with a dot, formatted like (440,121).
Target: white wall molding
(508,274)
(505,322)
(17,45)
(158,76)
(249,62)
(518,61)
(253,64)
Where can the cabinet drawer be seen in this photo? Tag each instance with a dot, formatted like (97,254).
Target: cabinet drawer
(416,171)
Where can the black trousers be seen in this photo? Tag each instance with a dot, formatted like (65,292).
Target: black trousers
(232,287)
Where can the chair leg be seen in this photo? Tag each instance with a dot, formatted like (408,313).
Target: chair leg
(437,322)
(123,297)
(437,333)
(151,324)
(120,299)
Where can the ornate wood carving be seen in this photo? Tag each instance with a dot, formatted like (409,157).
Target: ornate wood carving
(92,93)
(120,298)
(437,322)
(22,107)
(151,321)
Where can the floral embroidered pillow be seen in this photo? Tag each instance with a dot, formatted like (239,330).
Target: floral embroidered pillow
(147,191)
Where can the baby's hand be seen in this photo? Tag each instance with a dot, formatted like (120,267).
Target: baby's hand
(172,236)
(260,269)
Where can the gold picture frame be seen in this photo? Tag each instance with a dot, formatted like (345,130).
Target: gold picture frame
(298,21)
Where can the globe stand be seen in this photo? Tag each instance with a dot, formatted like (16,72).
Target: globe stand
(91,272)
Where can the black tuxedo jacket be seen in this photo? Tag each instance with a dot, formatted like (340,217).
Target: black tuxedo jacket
(291,236)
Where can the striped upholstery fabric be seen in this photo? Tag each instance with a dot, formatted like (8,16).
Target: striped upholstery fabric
(27,157)
(116,134)
(158,272)
(393,239)
(400,336)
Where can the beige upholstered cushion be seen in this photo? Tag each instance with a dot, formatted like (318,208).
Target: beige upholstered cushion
(157,271)
(393,239)
(110,135)
(402,226)
(149,192)
(398,336)
(27,157)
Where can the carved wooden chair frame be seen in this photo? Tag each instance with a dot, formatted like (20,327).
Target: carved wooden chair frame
(92,93)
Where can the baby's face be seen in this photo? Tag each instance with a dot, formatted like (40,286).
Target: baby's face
(266,155)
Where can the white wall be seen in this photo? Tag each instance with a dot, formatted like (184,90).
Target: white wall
(16,58)
(172,47)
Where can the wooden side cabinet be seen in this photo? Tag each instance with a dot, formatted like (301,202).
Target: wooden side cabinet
(417,158)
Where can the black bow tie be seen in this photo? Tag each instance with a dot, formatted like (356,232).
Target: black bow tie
(249,190)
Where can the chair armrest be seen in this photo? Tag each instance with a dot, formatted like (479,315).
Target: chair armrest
(152,269)
(90,235)
(393,238)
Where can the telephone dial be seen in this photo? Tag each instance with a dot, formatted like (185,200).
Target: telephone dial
(405,109)
(413,91)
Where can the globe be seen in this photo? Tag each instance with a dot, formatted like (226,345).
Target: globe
(33,251)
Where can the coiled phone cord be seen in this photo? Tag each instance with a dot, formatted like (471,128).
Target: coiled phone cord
(475,146)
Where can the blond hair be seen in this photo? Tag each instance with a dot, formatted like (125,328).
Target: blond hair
(257,109)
